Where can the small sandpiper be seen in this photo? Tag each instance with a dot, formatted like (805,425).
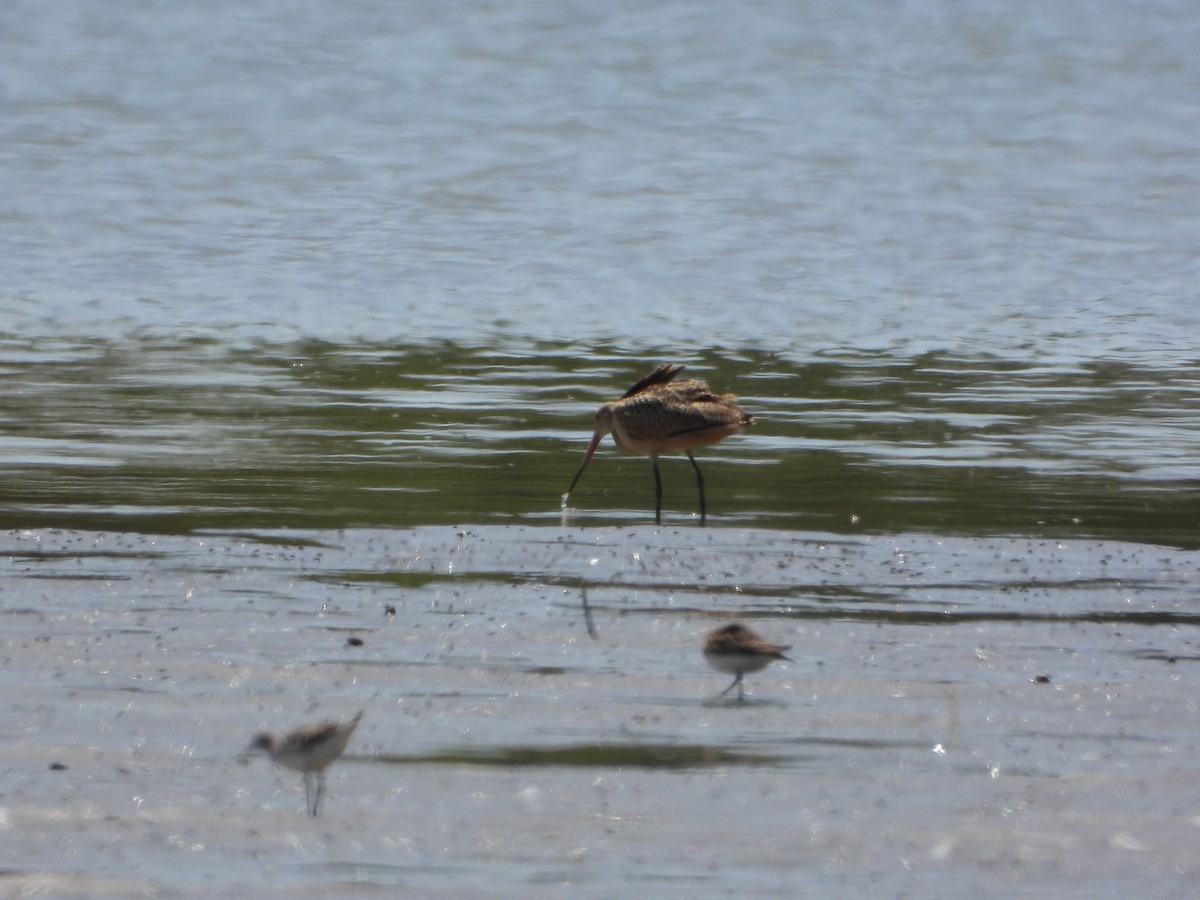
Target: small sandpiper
(737,650)
(310,750)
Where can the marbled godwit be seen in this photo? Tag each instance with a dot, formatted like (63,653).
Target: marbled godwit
(658,415)
(309,750)
(736,649)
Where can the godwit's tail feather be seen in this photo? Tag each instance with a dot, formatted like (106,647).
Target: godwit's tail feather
(661,375)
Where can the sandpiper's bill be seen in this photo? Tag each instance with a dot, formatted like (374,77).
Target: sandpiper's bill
(310,750)
(736,649)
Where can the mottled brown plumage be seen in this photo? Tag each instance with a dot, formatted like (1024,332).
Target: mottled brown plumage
(736,650)
(660,415)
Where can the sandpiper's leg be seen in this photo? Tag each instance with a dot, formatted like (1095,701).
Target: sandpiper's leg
(699,486)
(657,492)
(308,792)
(737,682)
(320,793)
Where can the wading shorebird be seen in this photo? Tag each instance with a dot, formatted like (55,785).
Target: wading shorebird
(736,650)
(659,415)
(310,750)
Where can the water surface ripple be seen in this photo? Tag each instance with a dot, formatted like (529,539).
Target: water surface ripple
(175,437)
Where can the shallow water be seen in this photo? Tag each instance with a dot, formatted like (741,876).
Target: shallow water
(173,437)
(305,313)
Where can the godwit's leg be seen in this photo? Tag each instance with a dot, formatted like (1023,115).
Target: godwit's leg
(657,492)
(700,485)
(737,682)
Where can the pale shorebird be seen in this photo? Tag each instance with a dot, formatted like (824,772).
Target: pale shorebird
(310,750)
(658,415)
(736,650)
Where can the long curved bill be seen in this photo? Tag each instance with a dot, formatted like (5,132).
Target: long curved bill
(587,457)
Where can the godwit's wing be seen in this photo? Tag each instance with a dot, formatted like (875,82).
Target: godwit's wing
(686,407)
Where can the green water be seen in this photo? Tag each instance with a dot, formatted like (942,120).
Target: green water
(173,437)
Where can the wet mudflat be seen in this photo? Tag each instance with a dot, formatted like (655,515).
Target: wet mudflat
(991,716)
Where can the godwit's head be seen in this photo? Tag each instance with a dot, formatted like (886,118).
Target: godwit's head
(604,425)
